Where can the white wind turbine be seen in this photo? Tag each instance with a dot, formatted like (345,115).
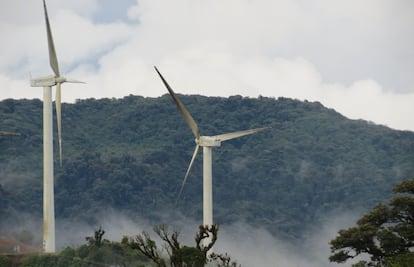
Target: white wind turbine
(207,142)
(48,180)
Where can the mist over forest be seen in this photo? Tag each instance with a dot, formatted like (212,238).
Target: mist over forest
(279,196)
(250,245)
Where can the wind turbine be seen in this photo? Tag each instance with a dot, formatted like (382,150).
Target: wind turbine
(207,142)
(48,180)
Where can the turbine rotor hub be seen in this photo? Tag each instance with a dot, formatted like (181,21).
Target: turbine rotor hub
(60,79)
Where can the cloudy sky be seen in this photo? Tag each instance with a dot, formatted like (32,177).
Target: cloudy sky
(354,56)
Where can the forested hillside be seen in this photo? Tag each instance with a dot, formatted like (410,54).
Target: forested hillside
(131,154)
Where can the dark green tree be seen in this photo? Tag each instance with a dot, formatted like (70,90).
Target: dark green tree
(5,262)
(386,233)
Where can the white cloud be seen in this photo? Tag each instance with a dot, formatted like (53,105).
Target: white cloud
(351,56)
(23,12)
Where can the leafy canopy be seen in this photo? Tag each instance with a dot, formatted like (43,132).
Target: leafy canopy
(386,233)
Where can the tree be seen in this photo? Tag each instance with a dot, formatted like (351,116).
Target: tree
(5,261)
(225,260)
(178,255)
(386,233)
(97,238)
(98,252)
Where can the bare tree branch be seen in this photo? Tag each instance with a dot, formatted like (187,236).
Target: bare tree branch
(148,247)
(181,256)
(204,231)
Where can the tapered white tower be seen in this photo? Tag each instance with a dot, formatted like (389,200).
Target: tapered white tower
(48,179)
(207,142)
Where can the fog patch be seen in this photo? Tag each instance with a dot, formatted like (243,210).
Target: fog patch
(304,169)
(339,172)
(239,164)
(12,176)
(255,246)
(116,225)
(24,227)
(248,244)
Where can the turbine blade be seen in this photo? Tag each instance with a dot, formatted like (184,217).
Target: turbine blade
(73,81)
(4,133)
(187,116)
(228,136)
(59,119)
(52,52)
(188,172)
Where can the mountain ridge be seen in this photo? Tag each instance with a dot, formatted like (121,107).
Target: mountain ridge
(132,153)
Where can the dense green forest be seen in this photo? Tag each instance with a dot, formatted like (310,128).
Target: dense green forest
(131,154)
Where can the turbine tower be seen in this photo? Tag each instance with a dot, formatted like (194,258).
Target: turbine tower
(48,180)
(207,142)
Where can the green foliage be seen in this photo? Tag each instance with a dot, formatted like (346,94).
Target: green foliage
(191,256)
(138,251)
(131,154)
(96,253)
(386,233)
(5,261)
(402,260)
(41,261)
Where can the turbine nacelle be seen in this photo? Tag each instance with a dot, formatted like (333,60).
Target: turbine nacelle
(50,81)
(208,141)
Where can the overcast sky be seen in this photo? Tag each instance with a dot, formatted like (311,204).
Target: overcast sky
(354,56)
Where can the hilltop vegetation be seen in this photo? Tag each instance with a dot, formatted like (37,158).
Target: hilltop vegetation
(131,154)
